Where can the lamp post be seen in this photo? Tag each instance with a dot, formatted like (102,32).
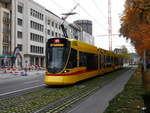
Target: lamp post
(144,60)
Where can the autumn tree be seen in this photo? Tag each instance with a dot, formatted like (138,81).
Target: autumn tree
(135,24)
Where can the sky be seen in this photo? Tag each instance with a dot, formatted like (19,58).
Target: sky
(97,12)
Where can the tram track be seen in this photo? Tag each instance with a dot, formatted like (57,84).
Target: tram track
(63,103)
(55,100)
(17,100)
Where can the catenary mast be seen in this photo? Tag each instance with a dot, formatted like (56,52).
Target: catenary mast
(109,25)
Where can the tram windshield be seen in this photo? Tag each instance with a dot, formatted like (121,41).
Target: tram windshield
(56,58)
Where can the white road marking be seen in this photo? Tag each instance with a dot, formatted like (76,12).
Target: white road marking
(31,82)
(21,90)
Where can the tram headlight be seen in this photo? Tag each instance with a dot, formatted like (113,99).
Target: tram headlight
(65,71)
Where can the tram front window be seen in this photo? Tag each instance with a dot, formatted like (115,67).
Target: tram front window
(56,59)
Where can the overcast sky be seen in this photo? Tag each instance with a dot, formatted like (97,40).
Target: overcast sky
(97,12)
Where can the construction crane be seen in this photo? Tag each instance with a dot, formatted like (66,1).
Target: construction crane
(109,25)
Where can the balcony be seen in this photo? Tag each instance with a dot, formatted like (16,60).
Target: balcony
(6,31)
(6,20)
(6,41)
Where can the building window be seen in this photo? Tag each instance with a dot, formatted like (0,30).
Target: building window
(5,17)
(6,38)
(5,50)
(52,33)
(59,35)
(36,49)
(56,25)
(20,9)
(48,32)
(42,17)
(52,24)
(19,46)
(36,14)
(19,34)
(48,22)
(55,34)
(6,28)
(36,26)
(59,27)
(36,37)
(20,22)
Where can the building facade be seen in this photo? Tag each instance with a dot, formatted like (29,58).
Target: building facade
(53,25)
(5,35)
(27,25)
(86,25)
(75,31)
(82,30)
(28,33)
(33,26)
(87,38)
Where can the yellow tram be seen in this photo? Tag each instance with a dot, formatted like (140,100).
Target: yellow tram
(69,61)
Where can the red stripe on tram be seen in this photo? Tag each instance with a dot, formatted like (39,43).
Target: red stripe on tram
(74,73)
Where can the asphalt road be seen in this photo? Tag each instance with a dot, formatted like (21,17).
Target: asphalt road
(15,85)
(11,85)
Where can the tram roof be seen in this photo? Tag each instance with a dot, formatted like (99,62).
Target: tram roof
(84,47)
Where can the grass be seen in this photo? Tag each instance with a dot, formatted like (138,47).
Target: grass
(36,103)
(130,100)
(146,83)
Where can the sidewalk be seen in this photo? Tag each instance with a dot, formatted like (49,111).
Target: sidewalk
(98,102)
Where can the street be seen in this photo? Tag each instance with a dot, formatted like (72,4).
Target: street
(15,84)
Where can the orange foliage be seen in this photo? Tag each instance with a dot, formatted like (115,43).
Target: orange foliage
(136,24)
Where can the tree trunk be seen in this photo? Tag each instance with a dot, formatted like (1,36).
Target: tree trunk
(146,79)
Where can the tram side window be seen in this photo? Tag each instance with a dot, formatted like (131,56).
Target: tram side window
(83,60)
(120,61)
(92,61)
(102,61)
(112,60)
(72,63)
(116,61)
(107,61)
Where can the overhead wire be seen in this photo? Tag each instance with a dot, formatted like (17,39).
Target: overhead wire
(89,14)
(97,7)
(59,6)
